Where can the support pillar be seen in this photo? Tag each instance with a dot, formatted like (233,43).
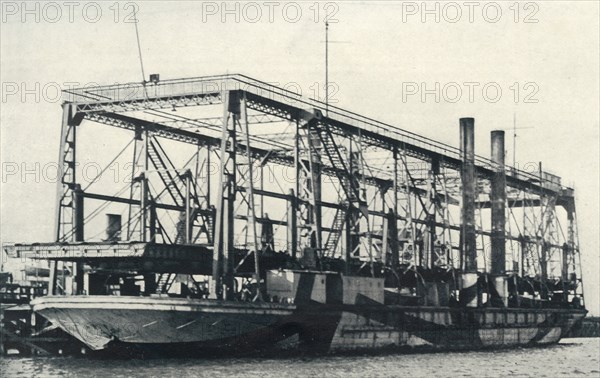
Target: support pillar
(153,220)
(188,220)
(353,216)
(566,251)
(317,185)
(143,206)
(571,249)
(292,230)
(223,248)
(432,216)
(390,238)
(78,235)
(395,248)
(544,260)
(65,184)
(308,186)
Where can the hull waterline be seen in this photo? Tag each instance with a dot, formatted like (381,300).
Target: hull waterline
(162,326)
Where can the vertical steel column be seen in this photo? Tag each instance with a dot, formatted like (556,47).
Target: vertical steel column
(315,169)
(432,216)
(541,231)
(78,235)
(469,292)
(292,229)
(564,273)
(65,182)
(143,206)
(228,239)
(210,218)
(382,254)
(385,241)
(308,190)
(188,194)
(78,226)
(223,249)
(138,187)
(230,191)
(296,204)
(544,260)
(66,170)
(353,216)
(152,221)
(144,188)
(569,247)
(208,174)
(393,234)
(201,187)
(245,126)
(395,254)
(350,218)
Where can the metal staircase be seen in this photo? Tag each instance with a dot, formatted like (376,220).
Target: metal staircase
(337,161)
(173,183)
(165,170)
(334,236)
(165,280)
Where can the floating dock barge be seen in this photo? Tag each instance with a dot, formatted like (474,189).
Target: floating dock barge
(256,220)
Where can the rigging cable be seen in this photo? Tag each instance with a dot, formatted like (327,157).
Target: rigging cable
(139,46)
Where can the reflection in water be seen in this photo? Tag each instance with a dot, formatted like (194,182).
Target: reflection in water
(572,357)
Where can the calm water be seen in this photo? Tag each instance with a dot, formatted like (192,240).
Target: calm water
(570,358)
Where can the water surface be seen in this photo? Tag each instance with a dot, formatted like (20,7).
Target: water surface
(570,358)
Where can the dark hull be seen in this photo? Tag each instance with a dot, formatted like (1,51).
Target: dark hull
(128,326)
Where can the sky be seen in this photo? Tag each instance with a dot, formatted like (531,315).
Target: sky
(418,67)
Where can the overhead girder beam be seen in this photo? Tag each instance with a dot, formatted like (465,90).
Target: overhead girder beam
(137,96)
(129,105)
(215,122)
(375,139)
(130,123)
(290,112)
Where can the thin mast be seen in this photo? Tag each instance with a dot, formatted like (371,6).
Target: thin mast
(326,68)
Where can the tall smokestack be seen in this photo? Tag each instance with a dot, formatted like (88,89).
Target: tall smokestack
(498,199)
(468,294)
(467,149)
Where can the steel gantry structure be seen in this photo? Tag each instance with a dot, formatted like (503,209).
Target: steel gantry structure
(273,173)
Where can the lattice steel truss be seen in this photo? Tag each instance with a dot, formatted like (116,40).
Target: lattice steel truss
(339,186)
